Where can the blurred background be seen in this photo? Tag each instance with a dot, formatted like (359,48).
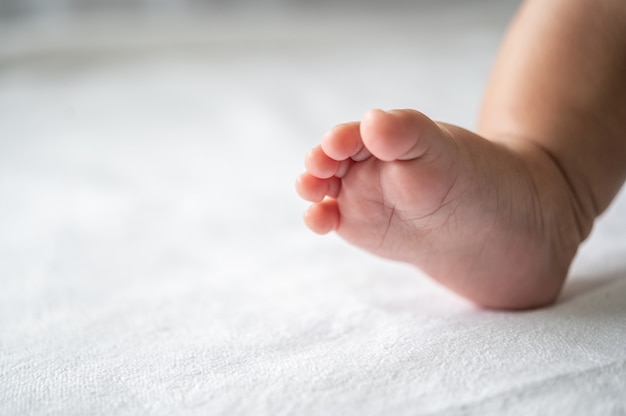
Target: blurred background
(18,8)
(150,147)
(165,122)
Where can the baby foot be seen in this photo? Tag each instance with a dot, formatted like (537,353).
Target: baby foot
(492,221)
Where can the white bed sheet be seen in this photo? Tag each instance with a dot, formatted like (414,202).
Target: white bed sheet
(152,254)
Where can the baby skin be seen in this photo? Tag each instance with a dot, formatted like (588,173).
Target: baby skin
(491,221)
(498,215)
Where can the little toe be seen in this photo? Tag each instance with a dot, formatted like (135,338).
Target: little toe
(400,134)
(322,217)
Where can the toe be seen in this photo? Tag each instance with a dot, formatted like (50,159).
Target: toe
(400,134)
(314,189)
(344,142)
(323,217)
(319,164)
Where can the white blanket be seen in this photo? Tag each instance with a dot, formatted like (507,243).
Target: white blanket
(152,254)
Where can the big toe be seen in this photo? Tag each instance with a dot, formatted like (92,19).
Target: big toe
(401,134)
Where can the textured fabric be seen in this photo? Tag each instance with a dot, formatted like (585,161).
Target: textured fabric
(152,255)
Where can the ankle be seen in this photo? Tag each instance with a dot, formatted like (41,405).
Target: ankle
(563,193)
